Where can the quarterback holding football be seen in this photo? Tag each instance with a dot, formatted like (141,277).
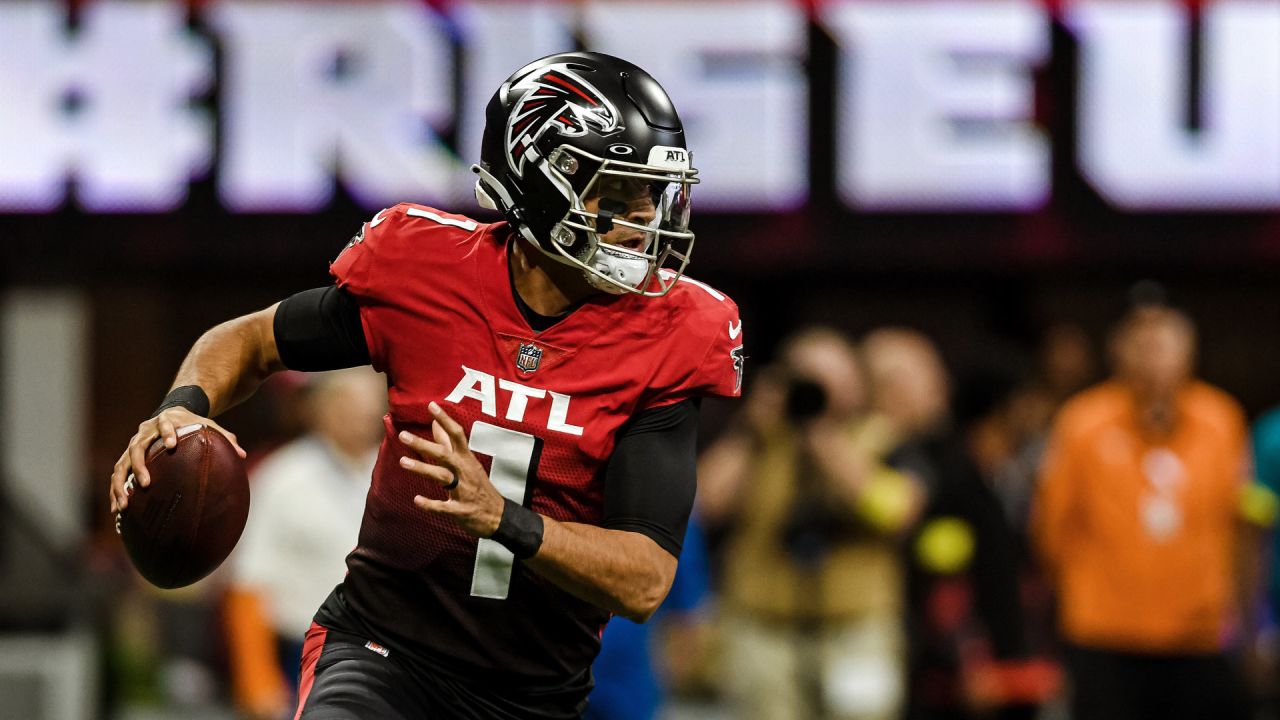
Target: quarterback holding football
(544,374)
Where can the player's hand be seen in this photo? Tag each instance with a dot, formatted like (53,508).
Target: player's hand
(473,502)
(133,463)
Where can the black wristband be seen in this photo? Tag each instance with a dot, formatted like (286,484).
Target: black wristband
(520,530)
(191,397)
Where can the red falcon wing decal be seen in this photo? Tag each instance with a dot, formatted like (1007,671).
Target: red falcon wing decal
(555,98)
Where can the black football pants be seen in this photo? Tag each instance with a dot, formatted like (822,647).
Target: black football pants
(343,678)
(1108,685)
(349,677)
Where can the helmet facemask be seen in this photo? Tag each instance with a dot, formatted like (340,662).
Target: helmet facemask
(633,216)
(573,143)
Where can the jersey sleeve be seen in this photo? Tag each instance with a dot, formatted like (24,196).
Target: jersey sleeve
(720,372)
(387,262)
(358,268)
(707,360)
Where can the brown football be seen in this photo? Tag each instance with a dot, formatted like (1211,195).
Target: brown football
(184,524)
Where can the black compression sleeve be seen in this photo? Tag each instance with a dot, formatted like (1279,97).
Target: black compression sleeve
(652,476)
(320,329)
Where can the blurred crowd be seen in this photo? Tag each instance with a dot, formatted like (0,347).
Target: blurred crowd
(1080,532)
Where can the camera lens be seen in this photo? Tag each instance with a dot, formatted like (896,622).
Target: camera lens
(806,400)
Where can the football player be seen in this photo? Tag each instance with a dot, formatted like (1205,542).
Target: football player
(544,373)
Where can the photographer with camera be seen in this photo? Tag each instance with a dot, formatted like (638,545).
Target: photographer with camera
(812,577)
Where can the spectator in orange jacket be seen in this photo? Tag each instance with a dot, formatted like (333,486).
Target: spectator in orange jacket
(1138,521)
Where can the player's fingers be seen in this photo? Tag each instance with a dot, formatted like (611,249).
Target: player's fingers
(120,492)
(117,482)
(442,437)
(451,426)
(168,434)
(443,507)
(230,436)
(442,475)
(138,458)
(428,449)
(167,431)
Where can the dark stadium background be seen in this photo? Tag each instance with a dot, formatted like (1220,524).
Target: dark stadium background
(982,285)
(970,279)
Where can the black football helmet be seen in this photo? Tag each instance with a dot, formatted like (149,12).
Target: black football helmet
(577,128)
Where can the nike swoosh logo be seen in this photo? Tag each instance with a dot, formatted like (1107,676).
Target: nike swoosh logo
(734,332)
(377,219)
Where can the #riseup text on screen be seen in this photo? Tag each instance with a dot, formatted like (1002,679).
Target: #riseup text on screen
(933,110)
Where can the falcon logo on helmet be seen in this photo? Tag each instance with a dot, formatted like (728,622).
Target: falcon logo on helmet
(555,98)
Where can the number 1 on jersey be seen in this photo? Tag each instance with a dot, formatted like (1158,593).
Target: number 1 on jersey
(512,452)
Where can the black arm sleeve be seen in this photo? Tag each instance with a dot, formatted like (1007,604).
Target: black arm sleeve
(320,329)
(651,479)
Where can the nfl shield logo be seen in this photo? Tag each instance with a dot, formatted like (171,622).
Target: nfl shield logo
(529,358)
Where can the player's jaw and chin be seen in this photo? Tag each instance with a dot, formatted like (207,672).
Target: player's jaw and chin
(613,268)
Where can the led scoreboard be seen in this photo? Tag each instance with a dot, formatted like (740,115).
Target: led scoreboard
(934,106)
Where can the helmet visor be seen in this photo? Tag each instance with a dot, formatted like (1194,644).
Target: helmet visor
(632,213)
(638,218)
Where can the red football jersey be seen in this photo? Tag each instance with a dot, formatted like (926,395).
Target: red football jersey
(542,411)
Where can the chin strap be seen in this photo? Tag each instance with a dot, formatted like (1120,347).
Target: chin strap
(487,186)
(483,199)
